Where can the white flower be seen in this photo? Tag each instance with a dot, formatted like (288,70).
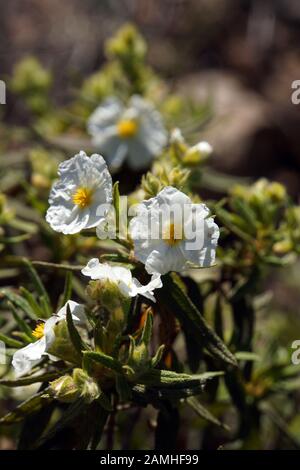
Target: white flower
(136,132)
(24,359)
(170,233)
(78,199)
(129,286)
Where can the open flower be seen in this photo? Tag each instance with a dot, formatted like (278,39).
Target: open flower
(129,286)
(170,233)
(136,132)
(24,359)
(78,200)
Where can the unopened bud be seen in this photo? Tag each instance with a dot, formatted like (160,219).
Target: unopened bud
(64,389)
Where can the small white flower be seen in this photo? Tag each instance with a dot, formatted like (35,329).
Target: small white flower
(170,233)
(129,286)
(136,132)
(75,200)
(24,359)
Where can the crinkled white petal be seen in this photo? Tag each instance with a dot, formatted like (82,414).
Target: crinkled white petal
(77,311)
(25,358)
(129,286)
(148,289)
(80,171)
(201,233)
(168,258)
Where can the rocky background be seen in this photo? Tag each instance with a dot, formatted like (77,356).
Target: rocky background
(244,54)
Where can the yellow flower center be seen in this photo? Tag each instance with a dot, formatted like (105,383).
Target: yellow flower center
(173,235)
(127,128)
(82,197)
(38,332)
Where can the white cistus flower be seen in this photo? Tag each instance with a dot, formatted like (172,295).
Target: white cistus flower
(24,359)
(135,132)
(129,286)
(170,233)
(79,199)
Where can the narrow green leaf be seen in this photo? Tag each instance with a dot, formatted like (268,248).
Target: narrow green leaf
(74,335)
(48,376)
(104,401)
(38,284)
(123,389)
(158,356)
(32,405)
(116,202)
(103,359)
(203,412)
(147,330)
(68,416)
(247,356)
(166,378)
(20,322)
(19,301)
(12,343)
(32,302)
(173,296)
(67,293)
(100,416)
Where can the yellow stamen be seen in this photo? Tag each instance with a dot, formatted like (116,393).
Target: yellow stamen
(82,197)
(127,128)
(38,332)
(172,236)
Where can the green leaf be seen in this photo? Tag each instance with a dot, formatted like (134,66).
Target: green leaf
(227,219)
(116,202)
(123,389)
(32,405)
(158,356)
(47,377)
(39,312)
(203,412)
(34,426)
(19,301)
(100,416)
(12,343)
(21,323)
(77,342)
(173,297)
(67,417)
(104,401)
(103,359)
(167,378)
(38,285)
(247,356)
(247,213)
(147,330)
(67,293)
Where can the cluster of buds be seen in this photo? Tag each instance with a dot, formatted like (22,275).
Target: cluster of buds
(161,176)
(69,388)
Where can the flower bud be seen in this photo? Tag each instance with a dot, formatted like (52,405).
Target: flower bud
(106,293)
(276,192)
(89,389)
(64,389)
(197,154)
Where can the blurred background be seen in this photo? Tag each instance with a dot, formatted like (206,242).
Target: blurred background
(245,53)
(241,55)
